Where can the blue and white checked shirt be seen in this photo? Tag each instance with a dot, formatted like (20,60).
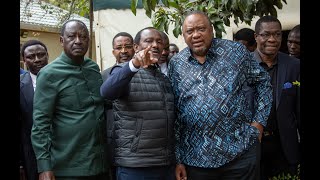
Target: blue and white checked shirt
(213,103)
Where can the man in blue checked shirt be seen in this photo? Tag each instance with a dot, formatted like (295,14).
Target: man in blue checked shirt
(223,99)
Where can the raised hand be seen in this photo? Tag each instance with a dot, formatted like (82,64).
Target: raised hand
(144,58)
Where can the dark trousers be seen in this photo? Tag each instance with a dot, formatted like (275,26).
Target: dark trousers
(243,168)
(103,176)
(112,172)
(273,160)
(146,173)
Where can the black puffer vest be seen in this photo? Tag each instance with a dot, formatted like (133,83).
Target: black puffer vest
(143,126)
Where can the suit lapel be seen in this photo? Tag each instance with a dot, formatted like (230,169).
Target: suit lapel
(281,76)
(27,89)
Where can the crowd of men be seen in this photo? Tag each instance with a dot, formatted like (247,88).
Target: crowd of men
(217,109)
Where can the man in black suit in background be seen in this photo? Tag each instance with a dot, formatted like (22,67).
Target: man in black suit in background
(280,142)
(123,51)
(35,55)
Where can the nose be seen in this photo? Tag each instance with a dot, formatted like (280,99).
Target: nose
(36,58)
(272,38)
(155,44)
(123,49)
(77,40)
(196,34)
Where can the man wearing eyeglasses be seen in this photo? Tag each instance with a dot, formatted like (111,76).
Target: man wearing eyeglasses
(123,51)
(280,144)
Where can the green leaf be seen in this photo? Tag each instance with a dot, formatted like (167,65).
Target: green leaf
(146,6)
(273,11)
(173,4)
(166,26)
(177,29)
(242,6)
(278,4)
(153,4)
(148,13)
(134,4)
(226,21)
(165,2)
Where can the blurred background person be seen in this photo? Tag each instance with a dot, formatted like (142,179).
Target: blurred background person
(173,49)
(163,60)
(22,71)
(35,56)
(246,37)
(123,51)
(293,42)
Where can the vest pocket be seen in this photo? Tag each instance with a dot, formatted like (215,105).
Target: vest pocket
(136,138)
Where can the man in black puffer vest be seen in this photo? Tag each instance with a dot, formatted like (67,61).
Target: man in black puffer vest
(143,106)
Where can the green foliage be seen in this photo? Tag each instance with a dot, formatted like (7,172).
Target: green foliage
(282,176)
(80,7)
(288,176)
(219,11)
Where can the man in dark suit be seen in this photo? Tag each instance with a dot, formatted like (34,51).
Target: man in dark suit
(280,142)
(35,56)
(123,52)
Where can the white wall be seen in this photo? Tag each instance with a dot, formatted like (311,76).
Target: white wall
(109,22)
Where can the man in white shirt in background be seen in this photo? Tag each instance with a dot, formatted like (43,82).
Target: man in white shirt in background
(165,53)
(35,56)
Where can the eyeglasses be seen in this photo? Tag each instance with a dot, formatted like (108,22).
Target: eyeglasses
(276,35)
(127,47)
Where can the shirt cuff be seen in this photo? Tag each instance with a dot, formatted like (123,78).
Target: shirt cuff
(44,165)
(132,68)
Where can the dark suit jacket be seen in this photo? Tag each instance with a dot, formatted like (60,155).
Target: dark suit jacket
(287,107)
(110,118)
(26,109)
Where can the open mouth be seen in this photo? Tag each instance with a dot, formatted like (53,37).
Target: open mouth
(197,44)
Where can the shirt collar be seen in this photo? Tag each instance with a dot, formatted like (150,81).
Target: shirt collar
(211,51)
(259,59)
(34,80)
(68,60)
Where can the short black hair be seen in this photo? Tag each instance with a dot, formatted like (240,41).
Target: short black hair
(138,35)
(188,13)
(266,19)
(164,35)
(122,34)
(63,28)
(245,34)
(172,44)
(31,43)
(295,29)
